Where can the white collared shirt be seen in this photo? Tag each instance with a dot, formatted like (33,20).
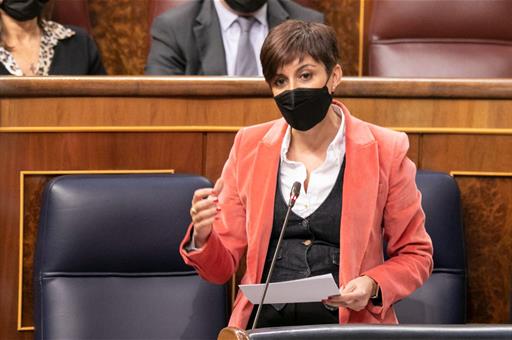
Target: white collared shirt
(321,180)
(230,30)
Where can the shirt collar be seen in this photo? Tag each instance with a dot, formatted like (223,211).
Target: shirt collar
(227,18)
(336,147)
(56,31)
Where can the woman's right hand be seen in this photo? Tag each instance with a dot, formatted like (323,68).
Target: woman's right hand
(204,210)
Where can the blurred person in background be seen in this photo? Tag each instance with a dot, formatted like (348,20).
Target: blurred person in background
(32,46)
(218,37)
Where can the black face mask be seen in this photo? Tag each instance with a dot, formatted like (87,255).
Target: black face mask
(246,6)
(23,10)
(303,108)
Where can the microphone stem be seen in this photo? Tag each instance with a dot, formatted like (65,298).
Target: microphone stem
(272,264)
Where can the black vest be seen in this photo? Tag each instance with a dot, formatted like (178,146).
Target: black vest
(311,245)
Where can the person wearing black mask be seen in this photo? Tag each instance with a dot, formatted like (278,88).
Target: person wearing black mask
(358,188)
(217,37)
(32,46)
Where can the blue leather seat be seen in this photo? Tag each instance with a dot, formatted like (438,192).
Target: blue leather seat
(442,299)
(107,261)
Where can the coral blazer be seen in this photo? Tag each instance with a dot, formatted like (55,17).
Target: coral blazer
(380,201)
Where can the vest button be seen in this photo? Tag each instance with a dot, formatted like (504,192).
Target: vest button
(306,242)
(305,223)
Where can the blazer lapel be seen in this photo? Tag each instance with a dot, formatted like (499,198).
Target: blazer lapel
(276,14)
(360,190)
(209,41)
(263,189)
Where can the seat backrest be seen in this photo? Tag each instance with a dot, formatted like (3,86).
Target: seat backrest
(442,299)
(72,12)
(107,262)
(439,38)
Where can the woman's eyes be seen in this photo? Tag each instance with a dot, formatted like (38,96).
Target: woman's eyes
(305,76)
(279,82)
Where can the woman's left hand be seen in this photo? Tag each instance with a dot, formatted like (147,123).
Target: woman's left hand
(355,294)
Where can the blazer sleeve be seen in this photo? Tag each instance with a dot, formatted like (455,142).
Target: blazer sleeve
(95,66)
(165,56)
(409,247)
(218,259)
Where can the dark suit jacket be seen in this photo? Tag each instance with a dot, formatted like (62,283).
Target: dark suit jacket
(188,40)
(77,55)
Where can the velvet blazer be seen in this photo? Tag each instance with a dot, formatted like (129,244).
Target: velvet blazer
(380,202)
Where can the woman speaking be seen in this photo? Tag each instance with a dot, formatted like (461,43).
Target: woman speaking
(358,190)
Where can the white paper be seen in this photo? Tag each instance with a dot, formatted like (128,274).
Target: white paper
(311,289)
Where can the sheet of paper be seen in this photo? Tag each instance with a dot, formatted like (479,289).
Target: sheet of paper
(311,289)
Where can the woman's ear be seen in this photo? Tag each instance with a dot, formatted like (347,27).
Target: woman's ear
(336,75)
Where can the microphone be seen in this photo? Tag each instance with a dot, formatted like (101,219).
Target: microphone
(294,194)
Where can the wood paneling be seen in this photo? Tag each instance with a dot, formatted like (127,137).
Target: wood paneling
(488,235)
(135,112)
(218,146)
(430,113)
(94,112)
(414,149)
(33,189)
(467,152)
(232,87)
(235,112)
(120,29)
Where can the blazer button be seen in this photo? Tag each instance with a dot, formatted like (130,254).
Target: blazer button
(306,242)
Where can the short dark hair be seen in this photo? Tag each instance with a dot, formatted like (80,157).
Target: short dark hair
(296,39)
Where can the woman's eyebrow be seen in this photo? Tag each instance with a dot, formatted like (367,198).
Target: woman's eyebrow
(304,66)
(296,71)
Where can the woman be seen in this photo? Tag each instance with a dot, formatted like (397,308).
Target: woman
(30,46)
(358,189)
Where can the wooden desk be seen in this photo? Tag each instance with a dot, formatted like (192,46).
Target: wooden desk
(59,125)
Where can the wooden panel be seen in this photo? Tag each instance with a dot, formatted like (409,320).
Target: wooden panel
(488,236)
(218,146)
(33,189)
(120,29)
(180,86)
(467,153)
(414,149)
(135,112)
(236,112)
(431,113)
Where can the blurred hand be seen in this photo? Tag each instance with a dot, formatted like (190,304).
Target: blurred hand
(204,210)
(355,294)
